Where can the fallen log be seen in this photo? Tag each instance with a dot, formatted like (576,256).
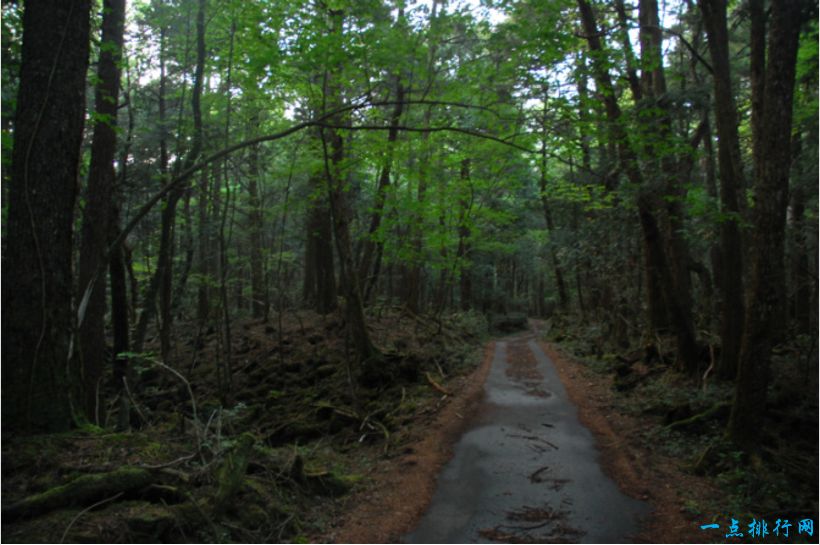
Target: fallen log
(80,492)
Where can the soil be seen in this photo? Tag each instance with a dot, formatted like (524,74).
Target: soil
(401,488)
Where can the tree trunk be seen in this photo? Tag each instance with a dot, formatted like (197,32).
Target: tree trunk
(259,295)
(119,318)
(371,258)
(465,278)
(801,273)
(415,272)
(203,269)
(320,272)
(657,261)
(731,182)
(38,389)
(764,297)
(94,241)
(333,145)
(563,295)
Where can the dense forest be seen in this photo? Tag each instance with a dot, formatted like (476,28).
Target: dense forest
(251,236)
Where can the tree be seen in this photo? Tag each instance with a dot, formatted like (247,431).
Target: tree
(98,208)
(39,392)
(731,183)
(665,267)
(764,298)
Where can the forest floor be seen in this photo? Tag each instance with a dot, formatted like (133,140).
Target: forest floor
(301,429)
(304,451)
(661,437)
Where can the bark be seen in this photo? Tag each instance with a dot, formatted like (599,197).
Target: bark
(657,262)
(372,253)
(94,238)
(731,183)
(319,289)
(626,44)
(333,145)
(757,75)
(38,389)
(801,273)
(162,281)
(764,301)
(464,232)
(415,272)
(259,296)
(119,318)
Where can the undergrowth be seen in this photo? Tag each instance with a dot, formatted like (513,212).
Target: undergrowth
(299,430)
(686,417)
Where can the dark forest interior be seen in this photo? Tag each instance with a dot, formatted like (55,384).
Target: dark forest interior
(251,249)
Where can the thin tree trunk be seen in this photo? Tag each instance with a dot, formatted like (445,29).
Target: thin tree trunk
(119,320)
(648,202)
(415,272)
(259,296)
(334,153)
(563,296)
(731,182)
(464,249)
(371,258)
(223,242)
(94,241)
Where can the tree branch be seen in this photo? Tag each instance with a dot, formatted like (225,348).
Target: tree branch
(186,173)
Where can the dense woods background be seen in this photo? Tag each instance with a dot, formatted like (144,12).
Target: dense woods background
(644,174)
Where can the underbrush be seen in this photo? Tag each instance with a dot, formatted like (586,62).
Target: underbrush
(684,419)
(265,462)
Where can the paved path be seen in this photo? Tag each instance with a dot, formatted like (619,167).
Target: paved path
(526,469)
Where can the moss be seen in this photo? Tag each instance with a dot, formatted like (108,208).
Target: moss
(81,491)
(149,523)
(232,471)
(330,483)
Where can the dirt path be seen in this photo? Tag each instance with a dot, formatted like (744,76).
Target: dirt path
(526,469)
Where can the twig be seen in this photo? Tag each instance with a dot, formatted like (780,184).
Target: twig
(204,516)
(524,528)
(711,365)
(133,402)
(168,464)
(535,475)
(87,509)
(436,386)
(193,401)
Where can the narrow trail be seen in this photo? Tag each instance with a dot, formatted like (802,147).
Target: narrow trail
(526,469)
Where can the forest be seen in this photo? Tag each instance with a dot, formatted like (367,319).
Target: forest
(260,256)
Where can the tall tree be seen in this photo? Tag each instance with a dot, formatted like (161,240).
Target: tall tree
(39,392)
(765,295)
(731,183)
(98,207)
(334,156)
(659,265)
